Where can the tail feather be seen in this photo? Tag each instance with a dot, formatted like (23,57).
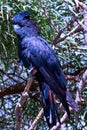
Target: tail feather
(71,101)
(54,105)
(49,105)
(56,109)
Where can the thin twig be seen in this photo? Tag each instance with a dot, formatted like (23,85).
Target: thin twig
(84,7)
(48,17)
(62,30)
(62,120)
(37,119)
(78,27)
(79,98)
(74,78)
(7,74)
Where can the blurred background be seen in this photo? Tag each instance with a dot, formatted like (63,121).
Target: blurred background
(70,48)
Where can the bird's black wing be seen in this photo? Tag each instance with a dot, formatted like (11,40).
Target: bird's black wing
(46,62)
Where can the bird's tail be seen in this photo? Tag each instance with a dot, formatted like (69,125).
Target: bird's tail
(49,105)
(71,101)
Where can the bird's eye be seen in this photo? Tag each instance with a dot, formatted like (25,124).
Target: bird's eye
(27,17)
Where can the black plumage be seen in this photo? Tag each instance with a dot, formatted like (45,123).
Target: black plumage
(35,51)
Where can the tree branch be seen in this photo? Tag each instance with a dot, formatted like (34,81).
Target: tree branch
(70,77)
(76,29)
(18,109)
(16,89)
(37,119)
(85,19)
(62,120)
(62,30)
(79,98)
(12,89)
(48,17)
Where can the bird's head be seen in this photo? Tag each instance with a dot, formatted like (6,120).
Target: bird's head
(23,25)
(20,19)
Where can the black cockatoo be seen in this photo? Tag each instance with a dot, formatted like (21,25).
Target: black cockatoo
(35,51)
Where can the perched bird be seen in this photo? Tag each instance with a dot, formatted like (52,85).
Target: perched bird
(34,51)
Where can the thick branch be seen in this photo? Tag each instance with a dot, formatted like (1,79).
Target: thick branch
(12,89)
(21,102)
(16,89)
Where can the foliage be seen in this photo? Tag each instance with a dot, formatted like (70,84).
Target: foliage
(73,57)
